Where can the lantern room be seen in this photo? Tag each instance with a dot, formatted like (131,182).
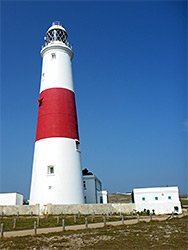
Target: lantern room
(56,33)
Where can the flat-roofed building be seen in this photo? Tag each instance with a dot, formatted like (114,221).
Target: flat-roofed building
(11,199)
(93,192)
(160,200)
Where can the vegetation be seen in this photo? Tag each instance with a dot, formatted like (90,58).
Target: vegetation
(171,234)
(184,202)
(119,198)
(146,212)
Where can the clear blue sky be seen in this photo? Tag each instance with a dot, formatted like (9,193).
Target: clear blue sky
(130,77)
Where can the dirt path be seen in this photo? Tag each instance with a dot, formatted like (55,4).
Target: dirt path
(83,226)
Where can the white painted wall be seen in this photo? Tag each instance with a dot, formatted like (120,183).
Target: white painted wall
(64,186)
(11,199)
(168,198)
(90,192)
(56,73)
(104,195)
(93,190)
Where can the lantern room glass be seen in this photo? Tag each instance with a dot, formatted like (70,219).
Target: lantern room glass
(56,35)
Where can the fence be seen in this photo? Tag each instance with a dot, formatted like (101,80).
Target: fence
(61,221)
(31,224)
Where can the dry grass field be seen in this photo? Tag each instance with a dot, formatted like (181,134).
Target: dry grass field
(119,198)
(171,234)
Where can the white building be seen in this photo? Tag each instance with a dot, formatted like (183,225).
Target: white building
(93,192)
(11,199)
(161,200)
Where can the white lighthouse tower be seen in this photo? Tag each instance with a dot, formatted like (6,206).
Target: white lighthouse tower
(57,175)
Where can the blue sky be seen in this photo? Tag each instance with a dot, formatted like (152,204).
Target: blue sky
(130,77)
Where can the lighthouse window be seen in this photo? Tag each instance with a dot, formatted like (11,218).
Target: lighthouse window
(50,169)
(53,56)
(77,145)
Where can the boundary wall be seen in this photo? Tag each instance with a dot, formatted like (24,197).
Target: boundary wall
(126,208)
(21,209)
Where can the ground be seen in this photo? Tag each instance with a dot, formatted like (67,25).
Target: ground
(170,234)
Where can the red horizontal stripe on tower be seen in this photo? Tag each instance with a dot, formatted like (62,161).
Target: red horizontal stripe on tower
(57,114)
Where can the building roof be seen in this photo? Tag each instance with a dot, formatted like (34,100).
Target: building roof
(155,189)
(86,172)
(10,193)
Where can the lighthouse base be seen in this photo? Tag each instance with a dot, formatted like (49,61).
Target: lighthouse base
(57,175)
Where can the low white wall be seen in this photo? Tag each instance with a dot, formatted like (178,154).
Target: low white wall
(69,209)
(22,209)
(91,208)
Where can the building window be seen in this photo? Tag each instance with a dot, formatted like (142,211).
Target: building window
(101,199)
(50,169)
(85,199)
(176,209)
(169,197)
(143,198)
(53,56)
(84,183)
(156,198)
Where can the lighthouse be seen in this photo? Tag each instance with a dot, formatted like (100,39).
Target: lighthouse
(56,173)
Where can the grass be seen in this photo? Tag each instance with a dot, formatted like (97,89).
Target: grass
(26,222)
(184,202)
(171,234)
